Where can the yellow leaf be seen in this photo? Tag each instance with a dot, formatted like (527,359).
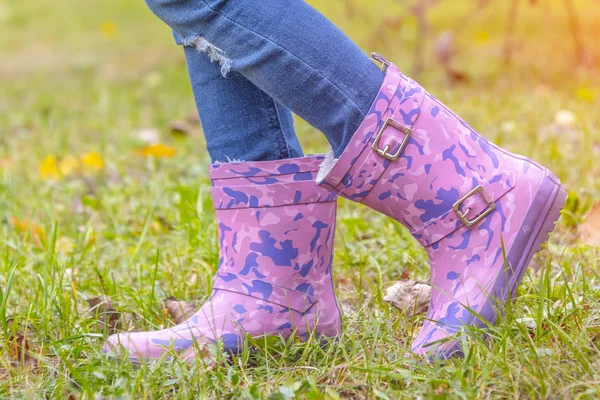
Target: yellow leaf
(108,29)
(157,150)
(48,169)
(5,163)
(69,165)
(155,227)
(19,225)
(93,161)
(585,94)
(24,228)
(482,37)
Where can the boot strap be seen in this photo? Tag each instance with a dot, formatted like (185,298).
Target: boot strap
(468,211)
(292,299)
(387,144)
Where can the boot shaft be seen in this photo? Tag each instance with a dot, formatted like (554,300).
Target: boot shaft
(418,162)
(274,223)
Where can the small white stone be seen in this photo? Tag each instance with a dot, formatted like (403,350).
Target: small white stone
(148,135)
(529,323)
(564,118)
(508,126)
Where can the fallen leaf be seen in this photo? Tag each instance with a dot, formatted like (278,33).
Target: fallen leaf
(482,37)
(193,119)
(456,75)
(405,275)
(5,163)
(69,165)
(20,351)
(585,94)
(409,296)
(49,169)
(155,227)
(92,161)
(107,317)
(589,230)
(443,48)
(179,310)
(157,150)
(179,128)
(27,228)
(108,29)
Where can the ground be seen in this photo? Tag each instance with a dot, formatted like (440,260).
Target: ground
(88,209)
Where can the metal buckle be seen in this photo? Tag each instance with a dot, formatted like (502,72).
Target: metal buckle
(384,153)
(491,206)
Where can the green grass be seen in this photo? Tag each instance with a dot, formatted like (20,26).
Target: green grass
(141,230)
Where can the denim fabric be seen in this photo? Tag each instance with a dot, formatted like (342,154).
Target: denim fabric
(240,121)
(286,49)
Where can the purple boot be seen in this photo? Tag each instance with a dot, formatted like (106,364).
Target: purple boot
(462,197)
(276,230)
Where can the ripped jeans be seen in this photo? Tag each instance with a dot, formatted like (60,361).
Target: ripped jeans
(251,63)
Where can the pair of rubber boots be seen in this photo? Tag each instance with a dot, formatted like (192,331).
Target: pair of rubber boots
(479,211)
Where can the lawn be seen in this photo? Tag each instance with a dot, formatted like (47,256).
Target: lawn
(91,214)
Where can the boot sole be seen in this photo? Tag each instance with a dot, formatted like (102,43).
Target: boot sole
(541,216)
(550,198)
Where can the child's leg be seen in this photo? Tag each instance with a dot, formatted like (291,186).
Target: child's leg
(480,211)
(287,49)
(240,121)
(276,227)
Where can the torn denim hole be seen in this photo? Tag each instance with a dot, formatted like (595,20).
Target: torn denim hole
(213,52)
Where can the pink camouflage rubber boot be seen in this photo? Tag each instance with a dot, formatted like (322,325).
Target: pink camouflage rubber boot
(276,230)
(460,196)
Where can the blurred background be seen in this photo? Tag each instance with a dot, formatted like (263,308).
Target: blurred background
(85,71)
(105,207)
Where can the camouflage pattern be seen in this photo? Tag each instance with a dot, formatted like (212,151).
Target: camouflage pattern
(444,159)
(276,231)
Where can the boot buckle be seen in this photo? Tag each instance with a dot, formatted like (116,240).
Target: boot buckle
(384,152)
(491,206)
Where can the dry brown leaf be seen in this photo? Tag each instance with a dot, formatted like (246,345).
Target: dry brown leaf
(20,351)
(444,48)
(589,230)
(405,275)
(179,128)
(108,317)
(193,119)
(179,310)
(409,296)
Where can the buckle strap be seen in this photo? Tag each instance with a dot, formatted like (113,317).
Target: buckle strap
(468,211)
(387,145)
(299,301)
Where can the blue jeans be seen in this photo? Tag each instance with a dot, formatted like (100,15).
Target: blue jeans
(277,56)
